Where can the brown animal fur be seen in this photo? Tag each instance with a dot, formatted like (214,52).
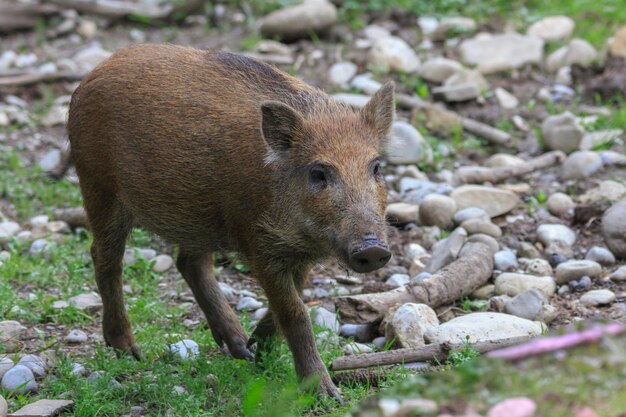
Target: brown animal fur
(211,150)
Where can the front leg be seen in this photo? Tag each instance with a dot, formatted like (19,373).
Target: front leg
(290,314)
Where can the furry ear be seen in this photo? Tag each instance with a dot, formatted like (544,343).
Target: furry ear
(379,112)
(280,124)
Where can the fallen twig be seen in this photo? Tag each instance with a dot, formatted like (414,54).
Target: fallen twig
(477,175)
(461,277)
(553,344)
(27,79)
(434,352)
(18,16)
(119,8)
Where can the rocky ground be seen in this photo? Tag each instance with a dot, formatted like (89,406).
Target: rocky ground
(508,133)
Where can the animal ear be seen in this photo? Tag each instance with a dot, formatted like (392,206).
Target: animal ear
(380,110)
(280,124)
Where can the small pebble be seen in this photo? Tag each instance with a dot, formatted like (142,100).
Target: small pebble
(598,297)
(601,255)
(356,349)
(162,263)
(76,336)
(248,303)
(20,380)
(398,280)
(505,260)
(185,349)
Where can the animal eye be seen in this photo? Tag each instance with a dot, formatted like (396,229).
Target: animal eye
(376,169)
(318,176)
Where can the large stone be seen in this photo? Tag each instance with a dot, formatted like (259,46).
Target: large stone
(480,226)
(8,230)
(562,132)
(552,28)
(393,54)
(19,380)
(43,408)
(446,250)
(407,146)
(500,160)
(561,205)
(549,234)
(618,43)
(6,363)
(482,327)
(341,73)
(402,213)
(600,255)
(527,305)
(408,323)
(437,210)
(556,60)
(512,284)
(598,297)
(572,270)
(494,201)
(459,92)
(614,228)
(325,318)
(10,333)
(506,100)
(581,164)
(299,21)
(580,52)
(501,52)
(90,302)
(437,70)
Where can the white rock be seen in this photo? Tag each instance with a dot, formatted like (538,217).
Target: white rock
(392,53)
(437,210)
(76,336)
(229,292)
(341,73)
(564,76)
(8,229)
(494,201)
(619,275)
(427,24)
(57,115)
(87,29)
(580,52)
(325,318)
(458,92)
(407,146)
(355,100)
(549,233)
(478,327)
(556,60)
(356,349)
(437,70)
(6,363)
(600,255)
(506,100)
(575,269)
(91,56)
(598,297)
(398,280)
(512,284)
(504,160)
(500,52)
(300,20)
(162,263)
(408,324)
(581,164)
(185,349)
(10,334)
(552,28)
(248,303)
(375,32)
(51,160)
(90,302)
(562,132)
(453,25)
(561,205)
(402,213)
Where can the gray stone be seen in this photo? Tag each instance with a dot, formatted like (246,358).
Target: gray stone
(359,332)
(505,99)
(380,342)
(452,26)
(494,201)
(162,263)
(581,164)
(248,303)
(598,297)
(505,260)
(40,247)
(619,275)
(458,92)
(614,228)
(50,160)
(445,251)
(43,408)
(366,83)
(479,327)
(600,138)
(8,229)
(260,313)
(479,226)
(580,52)
(561,205)
(539,267)
(325,318)
(549,233)
(512,284)
(501,52)
(341,73)
(10,334)
(76,336)
(437,70)
(34,363)
(527,305)
(356,349)
(185,349)
(90,302)
(407,146)
(229,292)
(6,363)
(600,255)
(562,132)
(78,370)
(402,213)
(300,20)
(571,270)
(354,100)
(398,280)
(393,54)
(19,380)
(584,283)
(56,115)
(437,210)
(487,240)
(408,323)
(470,213)
(552,28)
(91,56)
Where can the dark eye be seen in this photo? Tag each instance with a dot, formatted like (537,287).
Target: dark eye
(377,170)
(318,177)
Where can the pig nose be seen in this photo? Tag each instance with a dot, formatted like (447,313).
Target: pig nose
(369,258)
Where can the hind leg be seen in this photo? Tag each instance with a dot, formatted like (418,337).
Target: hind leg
(111,224)
(197,269)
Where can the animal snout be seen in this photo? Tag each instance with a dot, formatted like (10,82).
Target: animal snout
(372,255)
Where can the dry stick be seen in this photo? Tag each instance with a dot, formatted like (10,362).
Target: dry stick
(460,278)
(118,8)
(493,135)
(436,351)
(26,79)
(553,344)
(477,175)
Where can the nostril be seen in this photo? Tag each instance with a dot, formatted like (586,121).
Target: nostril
(384,258)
